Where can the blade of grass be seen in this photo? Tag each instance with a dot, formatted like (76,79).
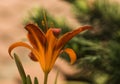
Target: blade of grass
(35,80)
(29,79)
(20,68)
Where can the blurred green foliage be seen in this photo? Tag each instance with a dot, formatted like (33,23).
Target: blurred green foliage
(104,16)
(98,51)
(36,16)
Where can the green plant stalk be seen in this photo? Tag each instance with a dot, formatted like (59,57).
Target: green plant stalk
(45,78)
(56,77)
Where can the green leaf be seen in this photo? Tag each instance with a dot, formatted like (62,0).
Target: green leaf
(35,80)
(20,68)
(29,79)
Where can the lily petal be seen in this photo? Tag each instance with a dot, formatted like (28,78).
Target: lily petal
(35,36)
(71,54)
(36,54)
(51,42)
(38,40)
(32,41)
(17,44)
(66,37)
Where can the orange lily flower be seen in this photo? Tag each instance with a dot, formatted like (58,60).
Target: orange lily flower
(46,47)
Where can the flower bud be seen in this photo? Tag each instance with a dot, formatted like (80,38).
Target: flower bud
(56,31)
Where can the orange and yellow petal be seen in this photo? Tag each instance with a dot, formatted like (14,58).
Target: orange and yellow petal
(71,54)
(35,52)
(36,36)
(32,41)
(18,44)
(51,42)
(66,37)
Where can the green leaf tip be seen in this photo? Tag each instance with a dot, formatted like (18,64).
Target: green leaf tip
(29,79)
(36,80)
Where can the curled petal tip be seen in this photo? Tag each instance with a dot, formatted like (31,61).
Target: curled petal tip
(9,51)
(71,54)
(17,44)
(11,56)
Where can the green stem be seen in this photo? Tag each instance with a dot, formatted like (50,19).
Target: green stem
(45,78)
(56,77)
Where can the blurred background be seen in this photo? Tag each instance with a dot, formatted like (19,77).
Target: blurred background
(98,50)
